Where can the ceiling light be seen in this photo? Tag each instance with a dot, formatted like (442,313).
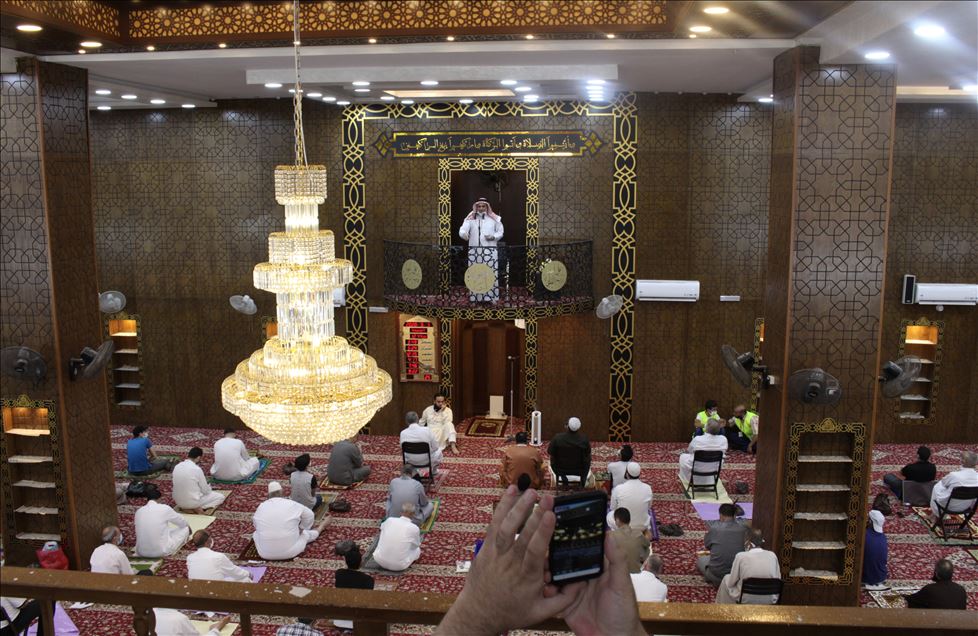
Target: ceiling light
(82,51)
(150,48)
(597,98)
(29,28)
(692,35)
(372,41)
(716,10)
(90,44)
(508,82)
(388,98)
(765,100)
(449,93)
(930,31)
(343,102)
(329,98)
(529,36)
(361,83)
(970,88)
(104,107)
(407,101)
(361,90)
(272,85)
(523,89)
(103,91)
(429,82)
(700,28)
(157,101)
(531,98)
(465,100)
(187,106)
(315,94)
(222,45)
(450,38)
(611,36)
(595,82)
(877,55)
(128,96)
(292,91)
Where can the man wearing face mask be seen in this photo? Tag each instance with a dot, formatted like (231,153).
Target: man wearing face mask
(108,558)
(141,457)
(438,419)
(708,413)
(483,228)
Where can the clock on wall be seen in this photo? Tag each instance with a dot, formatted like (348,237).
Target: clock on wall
(411,274)
(480,278)
(553,274)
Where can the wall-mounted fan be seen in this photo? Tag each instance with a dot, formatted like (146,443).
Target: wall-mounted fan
(742,366)
(90,362)
(243,304)
(899,376)
(111,302)
(609,306)
(23,363)
(814,386)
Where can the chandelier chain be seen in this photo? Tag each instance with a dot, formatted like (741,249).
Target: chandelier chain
(300,138)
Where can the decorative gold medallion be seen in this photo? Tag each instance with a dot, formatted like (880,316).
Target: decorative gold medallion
(553,274)
(480,278)
(411,274)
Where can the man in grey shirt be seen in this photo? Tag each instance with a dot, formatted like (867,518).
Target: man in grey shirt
(406,489)
(346,464)
(724,540)
(304,484)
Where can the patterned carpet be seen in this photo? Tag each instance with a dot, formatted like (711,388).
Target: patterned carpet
(467,493)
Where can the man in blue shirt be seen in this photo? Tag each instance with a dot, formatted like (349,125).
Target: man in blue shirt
(875,554)
(141,457)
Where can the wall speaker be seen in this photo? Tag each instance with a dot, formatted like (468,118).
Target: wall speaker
(909,289)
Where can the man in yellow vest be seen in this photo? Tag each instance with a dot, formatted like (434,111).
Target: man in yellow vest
(741,430)
(708,413)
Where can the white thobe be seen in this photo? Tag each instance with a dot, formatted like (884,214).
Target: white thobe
(617,472)
(206,564)
(440,424)
(482,232)
(170,622)
(109,559)
(190,487)
(648,588)
(636,496)
(282,528)
(231,460)
(418,433)
(942,489)
(160,530)
(399,545)
(705,442)
(756,563)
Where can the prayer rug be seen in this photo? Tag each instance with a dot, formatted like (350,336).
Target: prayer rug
(207,511)
(173,461)
(369,565)
(263,463)
(486,427)
(250,553)
(257,571)
(197,522)
(722,497)
(63,625)
(204,627)
(973,553)
(711,511)
(957,538)
(321,511)
(893,597)
(430,521)
(139,564)
(327,485)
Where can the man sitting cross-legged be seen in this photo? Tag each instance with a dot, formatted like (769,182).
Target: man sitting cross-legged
(400,541)
(231,459)
(160,530)
(406,489)
(206,564)
(283,527)
(191,492)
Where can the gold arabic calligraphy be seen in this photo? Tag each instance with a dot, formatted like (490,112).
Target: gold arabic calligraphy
(487,143)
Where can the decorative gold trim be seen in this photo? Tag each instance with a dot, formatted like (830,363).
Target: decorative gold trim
(445,380)
(94,16)
(935,375)
(755,379)
(491,313)
(531,338)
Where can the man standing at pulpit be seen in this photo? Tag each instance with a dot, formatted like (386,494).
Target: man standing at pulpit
(483,228)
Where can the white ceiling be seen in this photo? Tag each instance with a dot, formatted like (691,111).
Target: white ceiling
(555,68)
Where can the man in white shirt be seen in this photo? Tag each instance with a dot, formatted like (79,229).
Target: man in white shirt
(414,432)
(635,495)
(483,229)
(967,476)
(208,565)
(108,558)
(438,419)
(283,527)
(170,622)
(616,470)
(160,530)
(754,563)
(648,587)
(231,459)
(713,440)
(400,541)
(191,492)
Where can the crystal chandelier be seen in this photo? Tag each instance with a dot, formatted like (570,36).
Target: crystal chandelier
(306,385)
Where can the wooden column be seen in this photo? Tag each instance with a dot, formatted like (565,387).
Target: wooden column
(50,291)
(830,188)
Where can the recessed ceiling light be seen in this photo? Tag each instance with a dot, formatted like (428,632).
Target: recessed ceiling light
(292,90)
(103,91)
(598,98)
(716,10)
(429,82)
(465,100)
(523,89)
(29,28)
(343,102)
(530,98)
(387,98)
(595,82)
(765,100)
(329,98)
(407,101)
(361,83)
(104,107)
(450,38)
(610,36)
(529,36)
(128,96)
(508,82)
(930,31)
(272,85)
(187,106)
(82,51)
(90,44)
(372,41)
(222,45)
(877,55)
(700,28)
(361,90)
(692,35)
(315,94)
(970,88)
(157,101)
(150,48)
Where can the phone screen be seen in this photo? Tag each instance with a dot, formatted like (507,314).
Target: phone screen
(577,546)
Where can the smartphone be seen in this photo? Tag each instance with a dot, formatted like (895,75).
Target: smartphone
(577,546)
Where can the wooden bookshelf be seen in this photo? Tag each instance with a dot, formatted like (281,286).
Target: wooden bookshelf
(921,338)
(126,370)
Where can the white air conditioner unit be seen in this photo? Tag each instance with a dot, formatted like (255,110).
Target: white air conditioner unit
(946,294)
(687,291)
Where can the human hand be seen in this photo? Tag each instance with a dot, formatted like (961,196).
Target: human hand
(221,624)
(509,573)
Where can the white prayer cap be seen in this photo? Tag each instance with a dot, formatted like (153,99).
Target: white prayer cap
(574,424)
(274,486)
(633,469)
(877,518)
